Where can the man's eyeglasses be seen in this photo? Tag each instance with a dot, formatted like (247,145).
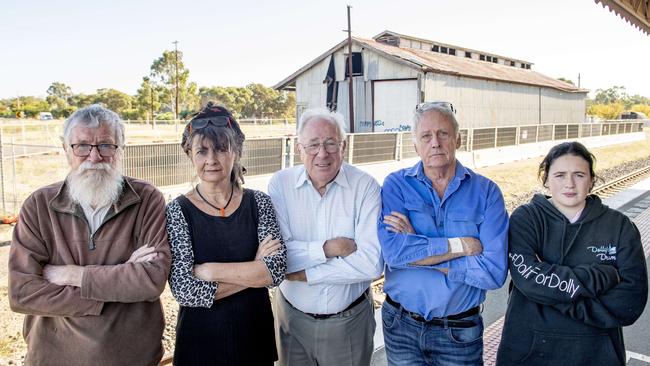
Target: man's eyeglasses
(83,150)
(217,121)
(331,147)
(423,107)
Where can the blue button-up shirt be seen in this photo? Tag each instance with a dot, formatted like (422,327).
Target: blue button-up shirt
(472,205)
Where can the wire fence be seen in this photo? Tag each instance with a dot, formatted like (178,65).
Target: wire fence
(31,157)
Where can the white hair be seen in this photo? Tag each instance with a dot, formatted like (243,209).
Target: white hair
(334,118)
(424,108)
(94,116)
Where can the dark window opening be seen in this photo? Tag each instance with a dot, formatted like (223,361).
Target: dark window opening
(528,66)
(452,51)
(468,54)
(435,48)
(495,60)
(512,63)
(357,65)
(443,49)
(523,66)
(482,57)
(489,59)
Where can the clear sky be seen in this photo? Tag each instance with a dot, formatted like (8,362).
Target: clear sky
(111,44)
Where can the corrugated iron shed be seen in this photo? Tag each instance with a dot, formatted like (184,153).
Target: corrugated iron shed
(428,61)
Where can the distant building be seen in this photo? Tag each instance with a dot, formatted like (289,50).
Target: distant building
(392,73)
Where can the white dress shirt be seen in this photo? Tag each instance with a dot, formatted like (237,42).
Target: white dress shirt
(349,208)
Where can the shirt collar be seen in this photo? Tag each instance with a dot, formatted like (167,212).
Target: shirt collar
(417,171)
(340,179)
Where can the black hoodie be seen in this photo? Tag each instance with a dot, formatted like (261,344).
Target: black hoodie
(575,285)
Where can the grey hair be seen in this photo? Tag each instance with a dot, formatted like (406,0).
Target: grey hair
(94,116)
(445,111)
(334,118)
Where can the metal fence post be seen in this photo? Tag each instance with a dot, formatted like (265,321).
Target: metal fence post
(518,130)
(2,174)
(283,153)
(398,146)
(292,150)
(496,136)
(13,163)
(351,149)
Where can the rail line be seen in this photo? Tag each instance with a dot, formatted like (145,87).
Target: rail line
(614,186)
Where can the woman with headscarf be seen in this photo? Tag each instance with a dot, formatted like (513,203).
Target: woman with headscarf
(226,248)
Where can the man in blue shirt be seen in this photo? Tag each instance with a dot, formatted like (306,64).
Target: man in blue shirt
(443,232)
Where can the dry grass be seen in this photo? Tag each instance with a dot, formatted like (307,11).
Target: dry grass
(521,176)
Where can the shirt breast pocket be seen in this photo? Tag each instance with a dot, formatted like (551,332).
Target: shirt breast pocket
(422,218)
(464,224)
(343,227)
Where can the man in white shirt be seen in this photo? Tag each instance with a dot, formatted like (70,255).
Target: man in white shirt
(327,211)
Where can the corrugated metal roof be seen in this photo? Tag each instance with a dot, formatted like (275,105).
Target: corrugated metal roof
(428,61)
(636,12)
(467,67)
(458,48)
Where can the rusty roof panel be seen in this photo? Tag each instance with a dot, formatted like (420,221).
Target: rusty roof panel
(454,65)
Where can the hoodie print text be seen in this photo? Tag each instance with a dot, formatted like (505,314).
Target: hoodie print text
(552,280)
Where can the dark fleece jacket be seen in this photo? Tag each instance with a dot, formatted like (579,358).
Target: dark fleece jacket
(575,285)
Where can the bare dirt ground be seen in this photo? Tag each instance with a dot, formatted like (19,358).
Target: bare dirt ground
(517,180)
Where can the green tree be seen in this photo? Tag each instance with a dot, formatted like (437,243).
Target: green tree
(114,100)
(147,99)
(60,90)
(164,71)
(83,100)
(614,94)
(569,81)
(58,96)
(29,106)
(234,98)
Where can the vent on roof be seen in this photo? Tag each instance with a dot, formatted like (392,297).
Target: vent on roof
(482,57)
(468,54)
(512,63)
(452,51)
(435,48)
(495,60)
(389,40)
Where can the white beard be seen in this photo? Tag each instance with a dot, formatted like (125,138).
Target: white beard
(95,185)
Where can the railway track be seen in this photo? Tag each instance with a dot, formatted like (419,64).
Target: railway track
(604,190)
(614,186)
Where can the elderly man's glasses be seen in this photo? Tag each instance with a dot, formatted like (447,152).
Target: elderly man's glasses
(423,107)
(330,146)
(83,150)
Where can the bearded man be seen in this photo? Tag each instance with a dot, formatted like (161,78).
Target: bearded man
(89,256)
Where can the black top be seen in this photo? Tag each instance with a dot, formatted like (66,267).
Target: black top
(574,285)
(236,330)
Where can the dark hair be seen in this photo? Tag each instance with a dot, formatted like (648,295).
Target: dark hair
(223,138)
(567,148)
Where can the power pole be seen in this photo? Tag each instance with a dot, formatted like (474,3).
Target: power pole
(578,80)
(176,108)
(350,89)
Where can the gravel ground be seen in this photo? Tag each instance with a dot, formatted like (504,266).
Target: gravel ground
(12,347)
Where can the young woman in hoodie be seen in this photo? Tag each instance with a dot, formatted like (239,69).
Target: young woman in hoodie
(578,271)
